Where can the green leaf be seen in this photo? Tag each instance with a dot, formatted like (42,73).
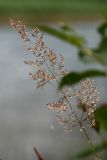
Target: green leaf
(74,39)
(102,49)
(74,77)
(101,116)
(88,152)
(103,28)
(66,27)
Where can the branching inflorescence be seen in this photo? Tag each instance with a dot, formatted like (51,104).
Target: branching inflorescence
(48,68)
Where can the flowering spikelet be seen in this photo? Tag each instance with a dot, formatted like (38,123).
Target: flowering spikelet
(89,96)
(20,28)
(68,121)
(58,106)
(35,63)
(51,56)
(42,77)
(65,115)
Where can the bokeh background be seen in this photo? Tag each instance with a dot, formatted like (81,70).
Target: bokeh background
(25,120)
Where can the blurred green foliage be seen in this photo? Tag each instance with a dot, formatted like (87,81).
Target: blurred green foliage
(101,116)
(72,37)
(75,77)
(88,152)
(56,7)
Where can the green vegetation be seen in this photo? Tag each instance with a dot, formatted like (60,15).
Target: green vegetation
(50,7)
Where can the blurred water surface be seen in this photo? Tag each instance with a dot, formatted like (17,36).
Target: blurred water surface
(25,121)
